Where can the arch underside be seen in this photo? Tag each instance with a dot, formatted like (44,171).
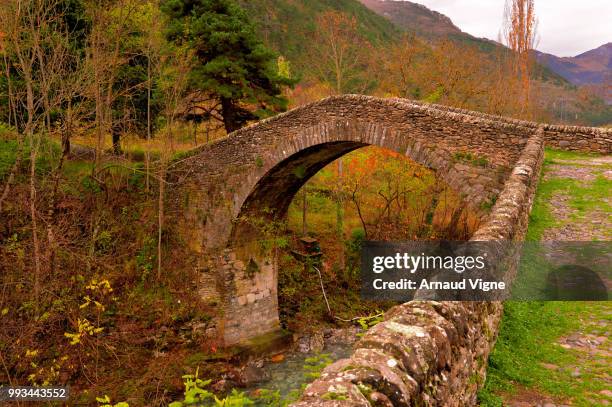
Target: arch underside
(274,192)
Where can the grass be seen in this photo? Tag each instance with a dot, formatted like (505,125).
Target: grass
(552,155)
(529,331)
(48,152)
(77,173)
(528,338)
(583,197)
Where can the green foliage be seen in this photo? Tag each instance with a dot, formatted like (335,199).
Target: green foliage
(104,241)
(274,17)
(106,402)
(354,244)
(252,268)
(271,231)
(90,185)
(136,178)
(371,320)
(435,96)
(353,248)
(8,155)
(233,65)
(6,130)
(196,395)
(489,203)
(146,257)
(48,153)
(334,396)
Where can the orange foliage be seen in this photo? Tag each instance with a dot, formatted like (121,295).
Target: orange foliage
(520,25)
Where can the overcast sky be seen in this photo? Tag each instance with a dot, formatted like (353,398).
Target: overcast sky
(566,27)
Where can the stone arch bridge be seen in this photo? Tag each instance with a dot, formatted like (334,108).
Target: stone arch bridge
(252,176)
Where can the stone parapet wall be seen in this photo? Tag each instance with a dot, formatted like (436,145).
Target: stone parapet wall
(571,138)
(424,354)
(428,353)
(509,216)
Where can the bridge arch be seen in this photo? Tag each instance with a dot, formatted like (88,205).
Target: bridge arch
(295,160)
(257,167)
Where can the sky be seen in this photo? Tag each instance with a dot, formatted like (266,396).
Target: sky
(565,27)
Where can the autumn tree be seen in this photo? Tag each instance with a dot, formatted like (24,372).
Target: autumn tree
(519,34)
(338,53)
(103,58)
(235,75)
(455,75)
(402,65)
(36,44)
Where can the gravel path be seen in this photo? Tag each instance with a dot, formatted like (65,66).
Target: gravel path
(597,224)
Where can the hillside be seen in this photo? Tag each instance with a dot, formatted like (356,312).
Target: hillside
(285,24)
(590,67)
(424,22)
(430,24)
(414,17)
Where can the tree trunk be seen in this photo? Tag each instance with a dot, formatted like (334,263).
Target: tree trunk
(9,90)
(116,141)
(160,217)
(340,215)
(231,119)
(304,208)
(195,133)
(67,131)
(99,123)
(33,156)
(147,152)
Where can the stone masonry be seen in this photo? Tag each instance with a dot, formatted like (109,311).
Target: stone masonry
(225,193)
(429,353)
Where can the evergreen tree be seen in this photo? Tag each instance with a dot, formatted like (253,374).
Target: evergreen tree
(234,68)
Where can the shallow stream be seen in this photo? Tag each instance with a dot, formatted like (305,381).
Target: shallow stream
(290,375)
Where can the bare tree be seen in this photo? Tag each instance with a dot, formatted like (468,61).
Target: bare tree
(110,24)
(176,71)
(153,43)
(26,24)
(402,72)
(11,114)
(338,52)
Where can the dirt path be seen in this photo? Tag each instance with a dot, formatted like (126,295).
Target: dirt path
(580,211)
(576,224)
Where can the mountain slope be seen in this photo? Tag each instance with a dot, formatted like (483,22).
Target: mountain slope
(422,21)
(414,17)
(591,67)
(286,24)
(430,24)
